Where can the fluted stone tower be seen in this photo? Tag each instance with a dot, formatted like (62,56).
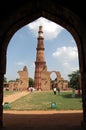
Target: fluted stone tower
(40,63)
(42,79)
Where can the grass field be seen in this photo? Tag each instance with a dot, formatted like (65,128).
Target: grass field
(6,93)
(43,101)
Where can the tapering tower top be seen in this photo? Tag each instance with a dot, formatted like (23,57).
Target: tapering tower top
(40,62)
(40,32)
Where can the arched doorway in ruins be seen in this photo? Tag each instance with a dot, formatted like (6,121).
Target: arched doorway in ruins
(55,76)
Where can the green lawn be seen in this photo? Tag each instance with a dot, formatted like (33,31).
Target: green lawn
(6,93)
(43,100)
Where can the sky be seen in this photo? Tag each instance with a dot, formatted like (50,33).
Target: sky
(60,50)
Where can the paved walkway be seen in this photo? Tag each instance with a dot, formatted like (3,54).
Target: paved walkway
(13,97)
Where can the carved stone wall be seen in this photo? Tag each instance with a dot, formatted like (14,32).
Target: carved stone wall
(45,80)
(21,84)
(24,79)
(46,83)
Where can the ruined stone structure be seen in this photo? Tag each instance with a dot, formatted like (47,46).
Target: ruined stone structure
(42,75)
(24,79)
(61,83)
(68,14)
(21,84)
(45,79)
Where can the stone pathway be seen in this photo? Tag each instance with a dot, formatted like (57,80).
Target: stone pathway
(13,97)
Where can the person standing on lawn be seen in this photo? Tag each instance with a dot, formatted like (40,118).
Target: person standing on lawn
(54,88)
(58,89)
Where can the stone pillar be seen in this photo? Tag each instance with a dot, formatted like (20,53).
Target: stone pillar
(2,72)
(1,99)
(83,83)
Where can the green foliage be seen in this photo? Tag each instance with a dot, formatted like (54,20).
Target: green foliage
(74,80)
(17,79)
(11,81)
(31,81)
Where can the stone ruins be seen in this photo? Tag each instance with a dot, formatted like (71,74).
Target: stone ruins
(22,83)
(42,80)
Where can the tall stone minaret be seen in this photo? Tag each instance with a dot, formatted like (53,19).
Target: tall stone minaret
(40,60)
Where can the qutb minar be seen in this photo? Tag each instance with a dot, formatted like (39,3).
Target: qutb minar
(42,79)
(40,60)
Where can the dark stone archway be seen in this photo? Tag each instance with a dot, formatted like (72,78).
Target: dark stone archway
(17,13)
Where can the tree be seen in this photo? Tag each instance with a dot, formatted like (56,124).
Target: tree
(17,79)
(11,81)
(31,81)
(74,79)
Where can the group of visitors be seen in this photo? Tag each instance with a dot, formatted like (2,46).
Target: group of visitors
(55,89)
(74,92)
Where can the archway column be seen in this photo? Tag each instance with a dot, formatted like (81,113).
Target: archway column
(83,83)
(2,72)
(1,99)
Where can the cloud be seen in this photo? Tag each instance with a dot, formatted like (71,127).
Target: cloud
(33,65)
(20,63)
(50,29)
(67,57)
(70,67)
(66,53)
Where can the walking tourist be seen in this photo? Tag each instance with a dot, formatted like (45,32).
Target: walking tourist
(73,93)
(54,88)
(58,89)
